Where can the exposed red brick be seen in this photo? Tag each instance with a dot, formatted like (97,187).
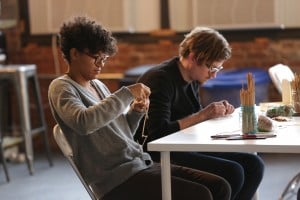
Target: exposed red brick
(262,52)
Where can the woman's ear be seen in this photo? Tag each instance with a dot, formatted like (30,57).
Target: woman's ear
(74,53)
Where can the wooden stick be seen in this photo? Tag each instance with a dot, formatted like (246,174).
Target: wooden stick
(247,96)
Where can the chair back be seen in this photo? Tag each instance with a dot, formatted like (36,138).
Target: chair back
(66,149)
(278,73)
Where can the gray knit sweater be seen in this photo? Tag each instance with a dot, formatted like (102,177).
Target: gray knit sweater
(100,133)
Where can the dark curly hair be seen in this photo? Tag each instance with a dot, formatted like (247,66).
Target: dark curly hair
(85,34)
(207,44)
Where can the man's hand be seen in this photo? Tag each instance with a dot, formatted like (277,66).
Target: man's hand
(217,109)
(229,108)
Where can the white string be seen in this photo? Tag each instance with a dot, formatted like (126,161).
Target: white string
(144,137)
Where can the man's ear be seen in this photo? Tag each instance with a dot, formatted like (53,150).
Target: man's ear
(191,56)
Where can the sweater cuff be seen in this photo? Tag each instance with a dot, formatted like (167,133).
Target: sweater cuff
(125,94)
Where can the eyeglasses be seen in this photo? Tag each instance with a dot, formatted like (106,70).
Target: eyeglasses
(214,69)
(99,59)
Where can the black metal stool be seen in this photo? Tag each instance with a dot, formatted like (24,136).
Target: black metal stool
(20,76)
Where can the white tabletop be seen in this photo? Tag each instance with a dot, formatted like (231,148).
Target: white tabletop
(198,138)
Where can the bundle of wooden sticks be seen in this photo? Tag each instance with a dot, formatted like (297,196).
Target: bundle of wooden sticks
(295,84)
(247,96)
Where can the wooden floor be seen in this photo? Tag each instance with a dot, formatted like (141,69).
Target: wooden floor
(60,182)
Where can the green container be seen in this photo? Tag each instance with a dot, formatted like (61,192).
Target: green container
(249,119)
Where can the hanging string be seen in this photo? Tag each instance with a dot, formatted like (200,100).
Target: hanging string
(144,136)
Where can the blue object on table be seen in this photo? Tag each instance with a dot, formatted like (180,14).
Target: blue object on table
(228,83)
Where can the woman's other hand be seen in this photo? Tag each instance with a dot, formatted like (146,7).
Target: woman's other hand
(140,105)
(139,91)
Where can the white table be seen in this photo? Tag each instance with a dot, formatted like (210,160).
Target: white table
(198,138)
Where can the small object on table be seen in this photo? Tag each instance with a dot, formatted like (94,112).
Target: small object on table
(243,136)
(284,111)
(264,124)
(251,136)
(246,137)
(280,119)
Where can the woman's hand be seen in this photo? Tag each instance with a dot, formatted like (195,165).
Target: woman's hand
(140,105)
(141,93)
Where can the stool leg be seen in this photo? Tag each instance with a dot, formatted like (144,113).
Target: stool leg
(22,93)
(42,117)
(2,110)
(5,97)
(4,162)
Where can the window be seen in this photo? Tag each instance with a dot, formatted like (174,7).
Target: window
(46,16)
(233,14)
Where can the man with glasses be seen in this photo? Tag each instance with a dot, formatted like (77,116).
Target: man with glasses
(175,104)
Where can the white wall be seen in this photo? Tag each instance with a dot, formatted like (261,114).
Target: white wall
(46,16)
(234,14)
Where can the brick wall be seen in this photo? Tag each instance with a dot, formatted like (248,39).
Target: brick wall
(260,52)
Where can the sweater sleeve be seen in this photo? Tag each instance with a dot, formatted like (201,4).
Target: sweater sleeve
(133,118)
(78,111)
